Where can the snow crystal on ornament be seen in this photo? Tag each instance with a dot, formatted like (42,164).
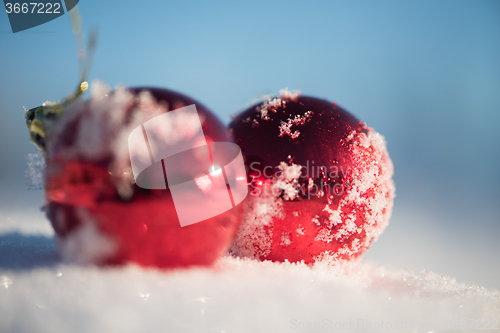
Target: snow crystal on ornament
(87,244)
(285,239)
(286,183)
(272,103)
(285,127)
(254,237)
(35,167)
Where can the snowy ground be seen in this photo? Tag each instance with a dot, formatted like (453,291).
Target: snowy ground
(39,293)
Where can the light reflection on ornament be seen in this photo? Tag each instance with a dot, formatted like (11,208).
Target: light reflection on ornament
(215,170)
(204,183)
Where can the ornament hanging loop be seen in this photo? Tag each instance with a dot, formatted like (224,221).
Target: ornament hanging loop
(39,118)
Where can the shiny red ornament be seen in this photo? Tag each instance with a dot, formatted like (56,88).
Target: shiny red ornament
(320,181)
(98,213)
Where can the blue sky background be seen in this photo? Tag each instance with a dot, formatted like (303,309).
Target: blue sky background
(425,74)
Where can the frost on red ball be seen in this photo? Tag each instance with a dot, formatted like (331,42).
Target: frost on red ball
(98,213)
(320,181)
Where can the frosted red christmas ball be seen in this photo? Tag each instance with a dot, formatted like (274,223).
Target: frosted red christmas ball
(320,181)
(98,212)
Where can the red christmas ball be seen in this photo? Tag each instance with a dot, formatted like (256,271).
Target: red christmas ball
(98,211)
(320,181)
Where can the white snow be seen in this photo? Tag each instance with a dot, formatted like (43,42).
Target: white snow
(234,296)
(40,293)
